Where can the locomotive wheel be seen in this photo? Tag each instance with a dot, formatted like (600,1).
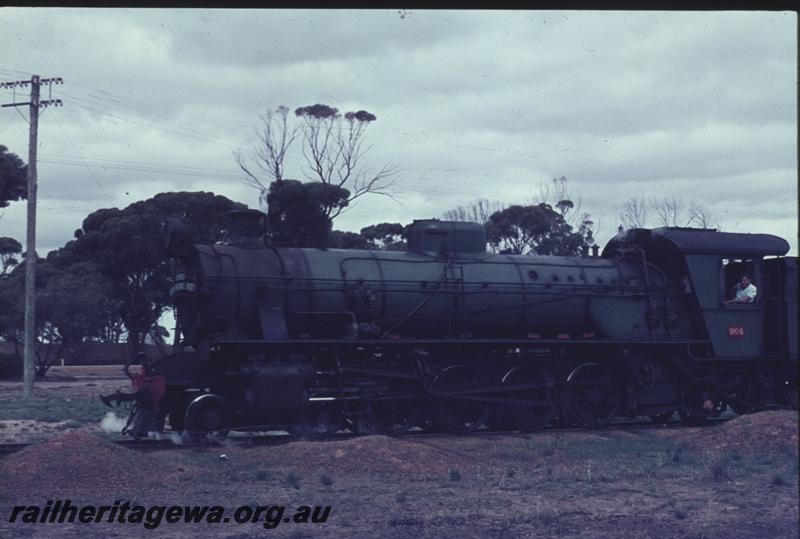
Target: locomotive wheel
(175,406)
(207,415)
(500,420)
(693,412)
(592,395)
(541,410)
(792,396)
(458,414)
(429,423)
(662,417)
(393,416)
(691,418)
(697,417)
(319,423)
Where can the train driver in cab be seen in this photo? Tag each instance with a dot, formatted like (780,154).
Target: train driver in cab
(744,291)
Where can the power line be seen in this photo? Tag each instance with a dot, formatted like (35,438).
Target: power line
(211,132)
(432,185)
(144,168)
(81,157)
(140,163)
(22,116)
(10,119)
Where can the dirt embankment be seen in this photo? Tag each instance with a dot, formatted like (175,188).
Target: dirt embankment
(80,464)
(763,432)
(365,454)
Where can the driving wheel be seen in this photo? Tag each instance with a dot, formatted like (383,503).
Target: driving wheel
(592,395)
(456,407)
(534,405)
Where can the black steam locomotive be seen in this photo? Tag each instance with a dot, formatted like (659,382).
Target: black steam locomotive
(445,335)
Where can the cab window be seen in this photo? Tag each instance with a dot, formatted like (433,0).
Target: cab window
(732,271)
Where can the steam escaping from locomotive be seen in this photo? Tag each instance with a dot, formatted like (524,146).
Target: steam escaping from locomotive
(111,424)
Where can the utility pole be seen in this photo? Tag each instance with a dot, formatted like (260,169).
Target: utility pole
(30,244)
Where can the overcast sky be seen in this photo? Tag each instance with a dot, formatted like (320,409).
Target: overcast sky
(469,104)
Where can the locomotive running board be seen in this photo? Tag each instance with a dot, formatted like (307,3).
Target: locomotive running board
(416,342)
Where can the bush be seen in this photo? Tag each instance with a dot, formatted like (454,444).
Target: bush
(10,366)
(293,480)
(547,516)
(719,469)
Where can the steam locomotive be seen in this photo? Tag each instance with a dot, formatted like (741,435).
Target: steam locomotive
(446,335)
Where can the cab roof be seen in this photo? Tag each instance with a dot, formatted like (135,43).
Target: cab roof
(705,241)
(708,241)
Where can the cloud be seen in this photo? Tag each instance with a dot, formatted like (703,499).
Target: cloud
(469,104)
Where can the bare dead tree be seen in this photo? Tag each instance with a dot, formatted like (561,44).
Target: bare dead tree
(477,211)
(544,193)
(569,207)
(597,229)
(634,213)
(274,139)
(701,216)
(563,201)
(333,147)
(668,210)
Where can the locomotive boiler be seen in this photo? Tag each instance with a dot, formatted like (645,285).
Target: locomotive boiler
(446,335)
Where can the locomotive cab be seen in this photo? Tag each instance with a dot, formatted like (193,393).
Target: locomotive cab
(713,262)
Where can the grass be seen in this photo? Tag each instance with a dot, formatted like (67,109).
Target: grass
(547,516)
(293,480)
(53,409)
(406,521)
(777,480)
(679,453)
(608,444)
(718,468)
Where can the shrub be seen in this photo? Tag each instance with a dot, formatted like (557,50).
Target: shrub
(293,480)
(10,366)
(546,516)
(455,475)
(719,469)
(326,480)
